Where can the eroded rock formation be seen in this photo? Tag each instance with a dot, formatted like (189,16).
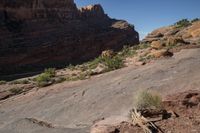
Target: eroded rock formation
(40,33)
(172,35)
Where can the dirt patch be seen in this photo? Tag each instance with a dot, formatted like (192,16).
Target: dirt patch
(183,116)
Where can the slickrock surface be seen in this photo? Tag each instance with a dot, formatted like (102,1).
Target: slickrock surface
(76,106)
(38,33)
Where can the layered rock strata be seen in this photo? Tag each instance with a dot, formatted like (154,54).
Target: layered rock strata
(36,34)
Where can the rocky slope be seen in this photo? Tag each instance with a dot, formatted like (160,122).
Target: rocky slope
(73,107)
(40,33)
(173,35)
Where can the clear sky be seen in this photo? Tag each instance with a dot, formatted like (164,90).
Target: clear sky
(148,15)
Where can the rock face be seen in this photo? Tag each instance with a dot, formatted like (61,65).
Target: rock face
(175,35)
(40,33)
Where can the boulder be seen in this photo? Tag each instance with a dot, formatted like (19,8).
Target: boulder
(174,41)
(157,44)
(160,53)
(107,53)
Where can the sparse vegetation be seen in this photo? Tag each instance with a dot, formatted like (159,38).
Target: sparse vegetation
(148,100)
(2,82)
(113,63)
(25,81)
(16,90)
(195,20)
(142,46)
(182,23)
(80,76)
(127,51)
(45,78)
(146,58)
(50,71)
(60,80)
(71,67)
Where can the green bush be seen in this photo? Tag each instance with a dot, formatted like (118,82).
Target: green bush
(50,71)
(2,82)
(127,51)
(45,78)
(112,63)
(182,23)
(148,100)
(195,20)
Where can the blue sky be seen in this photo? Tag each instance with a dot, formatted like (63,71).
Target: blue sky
(148,15)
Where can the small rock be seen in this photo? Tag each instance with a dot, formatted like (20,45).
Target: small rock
(107,53)
(140,63)
(174,41)
(99,69)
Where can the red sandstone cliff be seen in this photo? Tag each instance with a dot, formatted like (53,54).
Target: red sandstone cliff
(40,33)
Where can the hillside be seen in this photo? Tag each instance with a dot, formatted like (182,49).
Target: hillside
(98,92)
(74,106)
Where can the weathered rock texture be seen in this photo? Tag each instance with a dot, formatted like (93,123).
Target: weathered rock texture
(37,33)
(172,35)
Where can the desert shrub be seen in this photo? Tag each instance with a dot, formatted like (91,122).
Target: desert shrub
(16,90)
(127,51)
(148,100)
(50,71)
(195,20)
(113,63)
(43,80)
(46,78)
(2,82)
(71,67)
(146,58)
(94,63)
(143,46)
(182,23)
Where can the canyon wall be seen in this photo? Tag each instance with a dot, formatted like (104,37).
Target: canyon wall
(36,34)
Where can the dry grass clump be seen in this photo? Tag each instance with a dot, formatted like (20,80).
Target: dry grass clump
(148,99)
